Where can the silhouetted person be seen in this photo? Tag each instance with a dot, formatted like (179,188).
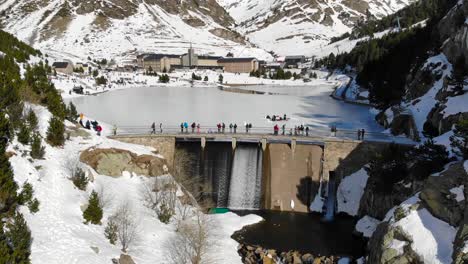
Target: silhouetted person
(160,127)
(153,128)
(307,131)
(283,128)
(359,134)
(235,128)
(362,133)
(181,127)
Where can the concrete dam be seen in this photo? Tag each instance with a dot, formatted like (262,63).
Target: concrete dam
(281,174)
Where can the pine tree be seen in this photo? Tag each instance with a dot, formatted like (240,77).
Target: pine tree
(37,150)
(8,185)
(20,239)
(93,213)
(26,194)
(33,206)
(220,79)
(111,231)
(55,133)
(4,127)
(24,135)
(79,179)
(205,79)
(72,114)
(55,104)
(5,257)
(32,120)
(459,140)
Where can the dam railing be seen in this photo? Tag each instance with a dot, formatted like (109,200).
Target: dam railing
(212,131)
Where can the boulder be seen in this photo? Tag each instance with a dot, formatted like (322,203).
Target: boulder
(113,162)
(438,199)
(126,259)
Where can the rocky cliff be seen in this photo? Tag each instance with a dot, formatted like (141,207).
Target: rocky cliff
(432,101)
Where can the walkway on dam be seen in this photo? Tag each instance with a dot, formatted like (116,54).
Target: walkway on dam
(256,134)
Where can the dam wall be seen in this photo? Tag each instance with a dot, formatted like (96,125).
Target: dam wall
(291,177)
(264,173)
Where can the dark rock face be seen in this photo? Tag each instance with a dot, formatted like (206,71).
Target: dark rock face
(459,257)
(439,200)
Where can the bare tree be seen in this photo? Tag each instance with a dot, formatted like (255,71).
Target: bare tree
(72,164)
(127,227)
(190,244)
(75,171)
(160,195)
(105,198)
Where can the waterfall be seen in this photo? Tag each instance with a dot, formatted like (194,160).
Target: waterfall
(246,178)
(217,170)
(331,200)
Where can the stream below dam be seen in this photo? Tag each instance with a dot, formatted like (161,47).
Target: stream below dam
(304,232)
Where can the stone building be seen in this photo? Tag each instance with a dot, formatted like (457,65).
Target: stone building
(63,67)
(158,62)
(190,59)
(210,62)
(239,65)
(293,61)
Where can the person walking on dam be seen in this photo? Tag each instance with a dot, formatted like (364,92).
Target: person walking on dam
(153,128)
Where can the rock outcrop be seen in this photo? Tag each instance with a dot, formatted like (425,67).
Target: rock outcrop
(381,252)
(438,198)
(113,162)
(256,254)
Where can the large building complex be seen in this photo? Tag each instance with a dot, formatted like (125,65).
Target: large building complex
(167,62)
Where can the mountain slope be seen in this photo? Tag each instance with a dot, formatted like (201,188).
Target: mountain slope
(117,28)
(303,26)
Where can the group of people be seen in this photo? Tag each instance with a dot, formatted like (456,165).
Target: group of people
(361,133)
(153,128)
(298,130)
(88,124)
(277,118)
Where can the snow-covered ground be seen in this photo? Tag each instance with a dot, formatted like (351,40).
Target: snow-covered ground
(432,238)
(299,31)
(350,191)
(59,234)
(422,106)
(126,80)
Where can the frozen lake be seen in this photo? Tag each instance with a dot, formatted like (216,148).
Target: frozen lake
(308,105)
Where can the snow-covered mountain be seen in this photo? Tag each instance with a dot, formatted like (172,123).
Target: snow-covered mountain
(119,28)
(303,26)
(116,28)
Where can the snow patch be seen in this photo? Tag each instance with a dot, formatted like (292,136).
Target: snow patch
(367,225)
(350,191)
(458,192)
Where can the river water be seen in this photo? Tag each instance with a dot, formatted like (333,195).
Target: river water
(308,105)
